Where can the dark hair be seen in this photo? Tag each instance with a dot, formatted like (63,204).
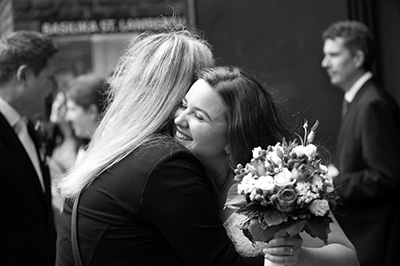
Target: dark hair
(356,37)
(29,48)
(89,89)
(253,118)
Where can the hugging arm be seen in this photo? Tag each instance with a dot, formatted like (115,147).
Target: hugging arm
(339,250)
(178,199)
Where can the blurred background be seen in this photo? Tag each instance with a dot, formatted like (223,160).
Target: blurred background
(278,40)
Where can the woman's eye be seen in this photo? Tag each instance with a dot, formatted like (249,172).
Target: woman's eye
(182,105)
(198,117)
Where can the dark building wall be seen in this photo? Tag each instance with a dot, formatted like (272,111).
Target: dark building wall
(388,34)
(280,41)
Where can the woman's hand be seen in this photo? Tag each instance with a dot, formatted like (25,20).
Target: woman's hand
(284,250)
(58,109)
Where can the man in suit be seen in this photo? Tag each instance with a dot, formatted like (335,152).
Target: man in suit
(368,149)
(27,66)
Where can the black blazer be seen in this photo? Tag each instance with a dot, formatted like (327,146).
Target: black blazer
(145,210)
(27,227)
(368,156)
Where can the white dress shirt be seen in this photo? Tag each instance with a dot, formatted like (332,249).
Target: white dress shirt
(350,94)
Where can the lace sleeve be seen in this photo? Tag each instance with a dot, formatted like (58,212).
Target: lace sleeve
(242,244)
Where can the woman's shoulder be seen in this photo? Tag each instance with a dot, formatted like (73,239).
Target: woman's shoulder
(162,158)
(160,150)
(162,146)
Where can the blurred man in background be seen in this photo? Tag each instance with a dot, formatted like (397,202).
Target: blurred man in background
(368,149)
(27,68)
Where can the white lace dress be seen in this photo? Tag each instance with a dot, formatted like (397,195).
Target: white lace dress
(242,244)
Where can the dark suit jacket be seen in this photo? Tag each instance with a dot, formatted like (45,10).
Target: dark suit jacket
(27,232)
(368,154)
(154,207)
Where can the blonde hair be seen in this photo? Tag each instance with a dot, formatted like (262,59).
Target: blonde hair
(146,87)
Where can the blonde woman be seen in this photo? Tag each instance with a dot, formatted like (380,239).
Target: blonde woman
(142,196)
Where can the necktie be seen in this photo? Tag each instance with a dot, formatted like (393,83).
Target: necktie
(345,107)
(26,140)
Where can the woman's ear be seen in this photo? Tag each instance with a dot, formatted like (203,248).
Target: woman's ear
(93,111)
(227,149)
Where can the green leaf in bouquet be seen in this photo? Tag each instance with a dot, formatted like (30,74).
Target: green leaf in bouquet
(319,227)
(234,200)
(274,217)
(259,234)
(291,228)
(252,209)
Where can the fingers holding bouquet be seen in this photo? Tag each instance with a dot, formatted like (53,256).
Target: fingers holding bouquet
(283,250)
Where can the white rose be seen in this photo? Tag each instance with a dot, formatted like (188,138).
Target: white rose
(319,207)
(283,178)
(259,166)
(266,183)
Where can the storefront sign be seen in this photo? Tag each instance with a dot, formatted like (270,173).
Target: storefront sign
(61,28)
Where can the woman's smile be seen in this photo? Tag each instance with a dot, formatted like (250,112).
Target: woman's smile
(182,136)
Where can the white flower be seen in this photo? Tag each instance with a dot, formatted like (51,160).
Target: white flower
(256,152)
(310,151)
(329,184)
(247,184)
(274,158)
(302,187)
(329,189)
(307,197)
(310,136)
(266,183)
(317,183)
(319,207)
(284,178)
(323,167)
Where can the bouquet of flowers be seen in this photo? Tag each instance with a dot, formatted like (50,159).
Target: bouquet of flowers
(284,189)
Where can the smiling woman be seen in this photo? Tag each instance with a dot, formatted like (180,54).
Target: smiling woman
(225,114)
(201,123)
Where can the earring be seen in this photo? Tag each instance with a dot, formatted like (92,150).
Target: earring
(227,149)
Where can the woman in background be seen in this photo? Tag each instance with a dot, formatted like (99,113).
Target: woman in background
(75,115)
(86,100)
(63,146)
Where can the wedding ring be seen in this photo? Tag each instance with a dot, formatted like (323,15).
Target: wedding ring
(291,251)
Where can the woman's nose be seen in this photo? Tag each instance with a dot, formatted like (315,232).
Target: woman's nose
(180,119)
